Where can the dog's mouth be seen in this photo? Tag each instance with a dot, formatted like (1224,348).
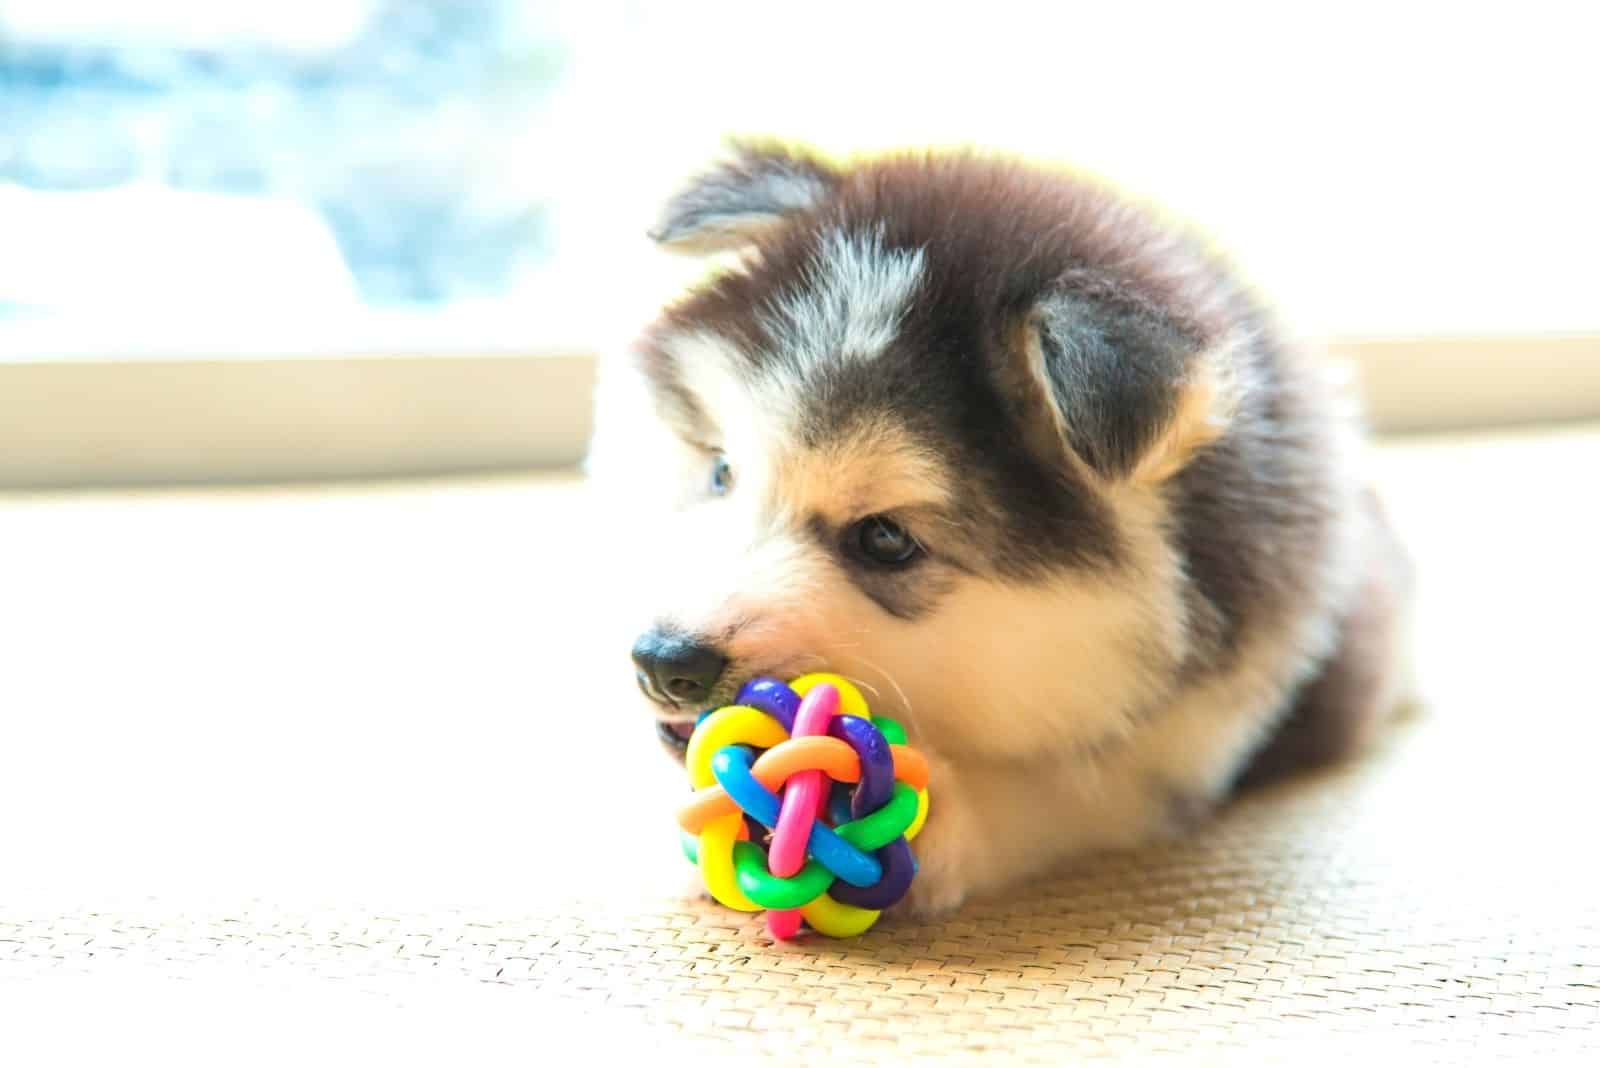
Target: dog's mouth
(674,735)
(675,721)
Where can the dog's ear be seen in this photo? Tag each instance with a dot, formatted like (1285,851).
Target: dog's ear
(754,188)
(1109,382)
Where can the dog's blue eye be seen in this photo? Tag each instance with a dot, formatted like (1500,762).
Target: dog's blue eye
(721,475)
(880,541)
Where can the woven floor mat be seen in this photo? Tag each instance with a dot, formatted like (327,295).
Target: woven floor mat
(1438,899)
(1326,918)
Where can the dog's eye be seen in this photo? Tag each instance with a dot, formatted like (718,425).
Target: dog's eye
(880,541)
(721,475)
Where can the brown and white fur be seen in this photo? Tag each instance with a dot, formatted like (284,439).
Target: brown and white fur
(1148,569)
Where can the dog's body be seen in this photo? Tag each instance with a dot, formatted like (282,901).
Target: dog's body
(1030,466)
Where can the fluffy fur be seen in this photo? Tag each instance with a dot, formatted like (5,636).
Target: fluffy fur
(1152,570)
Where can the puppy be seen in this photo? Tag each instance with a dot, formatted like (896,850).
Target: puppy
(1028,463)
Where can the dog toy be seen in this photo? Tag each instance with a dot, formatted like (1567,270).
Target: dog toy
(840,792)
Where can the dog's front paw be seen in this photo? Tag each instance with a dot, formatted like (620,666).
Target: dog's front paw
(934,898)
(946,860)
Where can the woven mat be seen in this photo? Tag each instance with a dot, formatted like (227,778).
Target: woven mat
(1437,900)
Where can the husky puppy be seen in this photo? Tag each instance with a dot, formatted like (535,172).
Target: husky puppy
(1025,460)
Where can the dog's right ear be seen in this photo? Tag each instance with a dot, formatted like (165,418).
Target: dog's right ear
(757,187)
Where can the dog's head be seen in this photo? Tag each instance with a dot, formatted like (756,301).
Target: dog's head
(916,430)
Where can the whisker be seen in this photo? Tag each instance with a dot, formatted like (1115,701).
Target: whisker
(905,700)
(865,685)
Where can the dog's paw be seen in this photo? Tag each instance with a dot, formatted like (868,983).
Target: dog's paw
(946,860)
(933,899)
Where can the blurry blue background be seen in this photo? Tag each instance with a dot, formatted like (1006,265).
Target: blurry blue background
(180,153)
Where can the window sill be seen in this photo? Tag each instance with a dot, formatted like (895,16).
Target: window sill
(131,422)
(75,420)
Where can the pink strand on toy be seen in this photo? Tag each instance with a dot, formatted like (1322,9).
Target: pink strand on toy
(803,797)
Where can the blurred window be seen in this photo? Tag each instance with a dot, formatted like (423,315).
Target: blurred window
(168,163)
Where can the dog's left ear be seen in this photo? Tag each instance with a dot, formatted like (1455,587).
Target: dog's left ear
(1108,382)
(754,189)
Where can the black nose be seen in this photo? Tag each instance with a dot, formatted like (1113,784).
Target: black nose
(676,667)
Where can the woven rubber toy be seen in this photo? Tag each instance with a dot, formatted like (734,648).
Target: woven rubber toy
(839,790)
